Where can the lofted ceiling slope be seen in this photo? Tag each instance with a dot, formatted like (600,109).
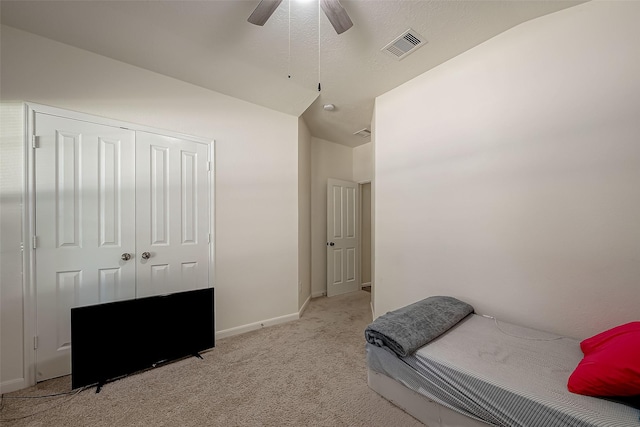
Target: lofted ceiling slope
(211,44)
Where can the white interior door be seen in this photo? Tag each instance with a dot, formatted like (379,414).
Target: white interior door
(342,237)
(172,214)
(84,210)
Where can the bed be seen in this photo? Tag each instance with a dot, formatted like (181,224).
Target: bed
(481,372)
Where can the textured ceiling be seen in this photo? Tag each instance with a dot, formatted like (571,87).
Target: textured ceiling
(211,44)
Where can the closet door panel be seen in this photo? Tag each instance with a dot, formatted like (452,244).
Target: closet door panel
(172,214)
(84,210)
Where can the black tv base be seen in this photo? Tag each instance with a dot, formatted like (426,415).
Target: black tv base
(156,365)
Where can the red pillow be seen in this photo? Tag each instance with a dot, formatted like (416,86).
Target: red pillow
(611,363)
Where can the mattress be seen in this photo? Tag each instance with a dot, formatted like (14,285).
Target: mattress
(503,375)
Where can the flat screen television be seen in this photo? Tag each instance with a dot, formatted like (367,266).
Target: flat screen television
(114,339)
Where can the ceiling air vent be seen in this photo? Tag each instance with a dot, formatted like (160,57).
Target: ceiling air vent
(404,44)
(364,133)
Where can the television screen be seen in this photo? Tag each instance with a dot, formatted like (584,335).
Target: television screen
(114,339)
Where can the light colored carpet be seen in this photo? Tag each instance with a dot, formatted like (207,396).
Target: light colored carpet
(310,372)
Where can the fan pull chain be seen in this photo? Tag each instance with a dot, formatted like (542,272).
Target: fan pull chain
(289,64)
(319,87)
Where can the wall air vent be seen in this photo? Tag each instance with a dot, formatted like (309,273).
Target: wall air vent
(405,44)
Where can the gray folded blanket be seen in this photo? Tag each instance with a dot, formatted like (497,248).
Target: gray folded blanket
(407,329)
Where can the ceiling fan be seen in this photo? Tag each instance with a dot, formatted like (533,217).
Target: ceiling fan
(336,14)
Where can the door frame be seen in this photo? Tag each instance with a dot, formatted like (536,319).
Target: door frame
(360,185)
(29,215)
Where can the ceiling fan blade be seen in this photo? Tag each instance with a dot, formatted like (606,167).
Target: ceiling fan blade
(338,17)
(263,11)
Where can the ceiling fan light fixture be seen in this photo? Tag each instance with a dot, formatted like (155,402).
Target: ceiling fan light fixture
(263,11)
(336,14)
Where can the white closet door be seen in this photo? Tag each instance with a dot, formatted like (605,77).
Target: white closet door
(172,214)
(84,220)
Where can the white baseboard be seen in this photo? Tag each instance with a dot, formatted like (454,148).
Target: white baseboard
(13,385)
(318,294)
(304,307)
(263,324)
(365,284)
(257,325)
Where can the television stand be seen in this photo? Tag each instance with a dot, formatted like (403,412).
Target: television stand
(196,354)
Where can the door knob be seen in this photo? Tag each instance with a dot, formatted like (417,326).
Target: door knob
(125,257)
(146,255)
(331,244)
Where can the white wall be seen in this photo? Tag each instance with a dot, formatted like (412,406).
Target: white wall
(509,176)
(304,213)
(256,191)
(328,160)
(363,163)
(11,318)
(331,160)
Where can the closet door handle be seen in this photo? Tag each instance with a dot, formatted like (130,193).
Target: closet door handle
(125,257)
(146,255)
